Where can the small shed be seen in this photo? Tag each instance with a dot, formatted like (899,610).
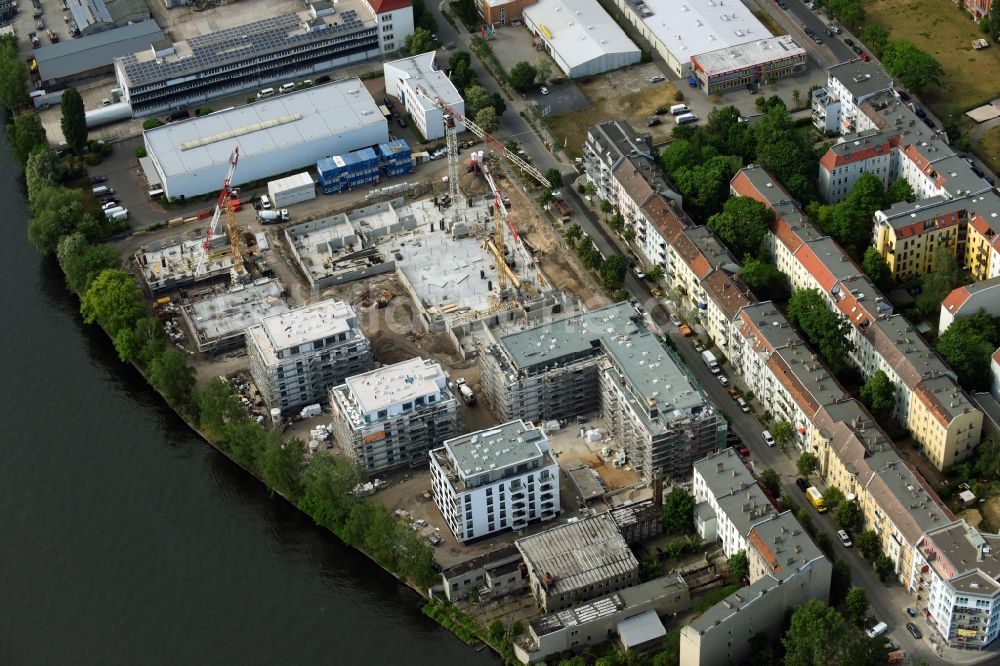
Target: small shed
(641,632)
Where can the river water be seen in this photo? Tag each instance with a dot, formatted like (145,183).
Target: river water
(128,540)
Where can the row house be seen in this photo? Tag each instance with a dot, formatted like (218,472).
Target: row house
(928,399)
(845,162)
(724,486)
(969,299)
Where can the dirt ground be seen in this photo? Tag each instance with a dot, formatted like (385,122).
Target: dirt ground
(613,98)
(572,449)
(560,268)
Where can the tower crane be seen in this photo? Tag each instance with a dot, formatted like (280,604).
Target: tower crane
(232,229)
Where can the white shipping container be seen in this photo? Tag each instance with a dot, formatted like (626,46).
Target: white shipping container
(291,190)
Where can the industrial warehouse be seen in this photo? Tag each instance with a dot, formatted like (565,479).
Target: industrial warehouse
(275,136)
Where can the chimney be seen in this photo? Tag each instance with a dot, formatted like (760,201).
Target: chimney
(658,489)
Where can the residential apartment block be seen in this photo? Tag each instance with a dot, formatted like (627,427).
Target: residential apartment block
(297,355)
(786,570)
(724,485)
(968,300)
(929,400)
(577,562)
(392,416)
(956,574)
(495,480)
(614,145)
(605,360)
(836,107)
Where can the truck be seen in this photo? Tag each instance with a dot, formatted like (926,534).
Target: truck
(272,216)
(463,390)
(713,364)
(562,208)
(815,498)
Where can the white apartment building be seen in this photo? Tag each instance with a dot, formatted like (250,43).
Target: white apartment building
(395,23)
(297,355)
(495,480)
(723,483)
(836,107)
(391,417)
(866,152)
(956,574)
(416,82)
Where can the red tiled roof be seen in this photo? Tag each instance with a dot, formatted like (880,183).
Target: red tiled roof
(815,266)
(791,383)
(831,159)
(382,6)
(955,299)
(784,233)
(773,563)
(726,293)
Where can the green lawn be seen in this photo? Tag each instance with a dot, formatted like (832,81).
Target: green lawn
(938,27)
(988,149)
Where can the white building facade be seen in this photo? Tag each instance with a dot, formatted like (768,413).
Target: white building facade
(416,82)
(296,356)
(390,417)
(495,480)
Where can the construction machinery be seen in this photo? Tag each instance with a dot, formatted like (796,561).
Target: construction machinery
(225,203)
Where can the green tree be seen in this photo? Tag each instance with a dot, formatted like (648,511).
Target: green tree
(170,373)
(856,605)
(216,405)
(522,76)
(141,344)
(572,234)
(994,17)
(280,464)
(678,511)
(499,104)
(113,301)
(462,74)
(466,10)
(967,346)
(326,486)
(868,544)
(833,497)
(764,279)
(987,461)
(26,133)
(914,67)
(879,395)
(877,268)
(554,177)
(876,37)
(487,119)
(56,211)
(670,655)
(772,481)
(840,581)
(419,41)
(650,567)
(945,275)
(739,568)
(82,263)
(613,272)
(820,636)
(476,98)
(13,77)
(783,432)
(41,171)
(423,18)
(589,256)
(850,12)
(848,515)
(807,464)
(742,225)
(899,190)
(883,567)
(825,329)
(73,121)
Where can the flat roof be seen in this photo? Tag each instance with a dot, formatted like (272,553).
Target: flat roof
(578,554)
(309,323)
(860,78)
(421,70)
(250,41)
(640,629)
(220,314)
(580,30)
(689,28)
(749,54)
(506,445)
(278,123)
(396,384)
(585,481)
(974,558)
(735,490)
(74,56)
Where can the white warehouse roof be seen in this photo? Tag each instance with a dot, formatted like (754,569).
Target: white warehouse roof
(282,122)
(579,31)
(691,27)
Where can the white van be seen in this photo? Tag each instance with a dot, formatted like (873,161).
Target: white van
(877,630)
(102,190)
(286,88)
(156,193)
(686,118)
(266,92)
(678,109)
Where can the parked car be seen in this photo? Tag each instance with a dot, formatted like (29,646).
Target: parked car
(864,57)
(914,631)
(734,393)
(979,172)
(543,90)
(752,87)
(723,380)
(674,319)
(817,39)
(767,437)
(877,630)
(638,272)
(744,407)
(920,112)
(265,202)
(857,49)
(802,484)
(662,111)
(323,79)
(97,180)
(930,122)
(844,539)
(903,97)
(849,41)
(653,122)
(655,79)
(743,451)
(912,612)
(402,121)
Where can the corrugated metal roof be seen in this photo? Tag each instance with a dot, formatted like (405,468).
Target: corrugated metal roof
(75,56)
(641,628)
